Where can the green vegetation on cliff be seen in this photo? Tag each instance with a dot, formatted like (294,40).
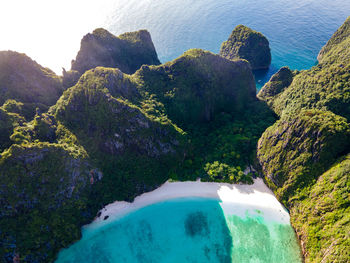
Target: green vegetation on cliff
(304,155)
(325,86)
(128,52)
(24,80)
(198,85)
(245,43)
(44,200)
(322,218)
(297,149)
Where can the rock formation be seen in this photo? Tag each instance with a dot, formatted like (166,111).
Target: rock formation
(245,43)
(304,156)
(24,80)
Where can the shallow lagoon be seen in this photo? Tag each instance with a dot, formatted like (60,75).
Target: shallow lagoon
(187,230)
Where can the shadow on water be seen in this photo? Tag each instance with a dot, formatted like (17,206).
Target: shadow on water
(180,230)
(263,75)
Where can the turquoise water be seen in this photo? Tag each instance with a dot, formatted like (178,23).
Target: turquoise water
(185,230)
(296,29)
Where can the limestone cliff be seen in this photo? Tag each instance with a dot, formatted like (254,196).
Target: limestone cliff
(245,43)
(304,156)
(26,81)
(128,52)
(325,86)
(199,85)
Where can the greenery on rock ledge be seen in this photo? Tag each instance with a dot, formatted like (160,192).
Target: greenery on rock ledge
(245,43)
(304,155)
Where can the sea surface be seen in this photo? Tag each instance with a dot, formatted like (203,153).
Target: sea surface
(186,230)
(296,29)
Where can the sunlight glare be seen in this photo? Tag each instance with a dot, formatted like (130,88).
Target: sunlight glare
(50,31)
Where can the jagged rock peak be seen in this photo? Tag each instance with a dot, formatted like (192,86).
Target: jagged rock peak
(128,52)
(248,44)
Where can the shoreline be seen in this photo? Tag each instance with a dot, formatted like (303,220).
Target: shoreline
(235,199)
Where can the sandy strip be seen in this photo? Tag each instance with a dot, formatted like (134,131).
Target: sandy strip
(236,199)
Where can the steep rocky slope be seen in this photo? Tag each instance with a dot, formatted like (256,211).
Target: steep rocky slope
(198,85)
(325,86)
(322,218)
(304,156)
(43,198)
(128,52)
(297,149)
(24,80)
(245,43)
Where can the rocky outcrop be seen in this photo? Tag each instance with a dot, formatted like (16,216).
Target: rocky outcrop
(304,156)
(321,217)
(26,81)
(42,187)
(128,52)
(280,80)
(325,86)
(245,43)
(337,41)
(199,85)
(84,107)
(297,149)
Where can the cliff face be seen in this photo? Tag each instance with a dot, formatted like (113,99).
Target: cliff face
(297,149)
(128,52)
(25,80)
(43,199)
(304,155)
(321,219)
(245,43)
(278,82)
(117,133)
(325,86)
(199,85)
(336,44)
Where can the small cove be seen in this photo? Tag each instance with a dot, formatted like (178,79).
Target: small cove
(218,223)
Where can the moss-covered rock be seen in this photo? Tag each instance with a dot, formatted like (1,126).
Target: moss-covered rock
(26,81)
(325,86)
(297,149)
(298,153)
(128,52)
(70,78)
(322,217)
(8,121)
(338,41)
(245,43)
(44,195)
(127,137)
(83,107)
(199,85)
(280,80)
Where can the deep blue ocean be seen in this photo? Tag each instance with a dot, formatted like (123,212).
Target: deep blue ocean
(296,29)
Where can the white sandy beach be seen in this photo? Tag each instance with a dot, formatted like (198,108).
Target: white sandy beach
(235,199)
